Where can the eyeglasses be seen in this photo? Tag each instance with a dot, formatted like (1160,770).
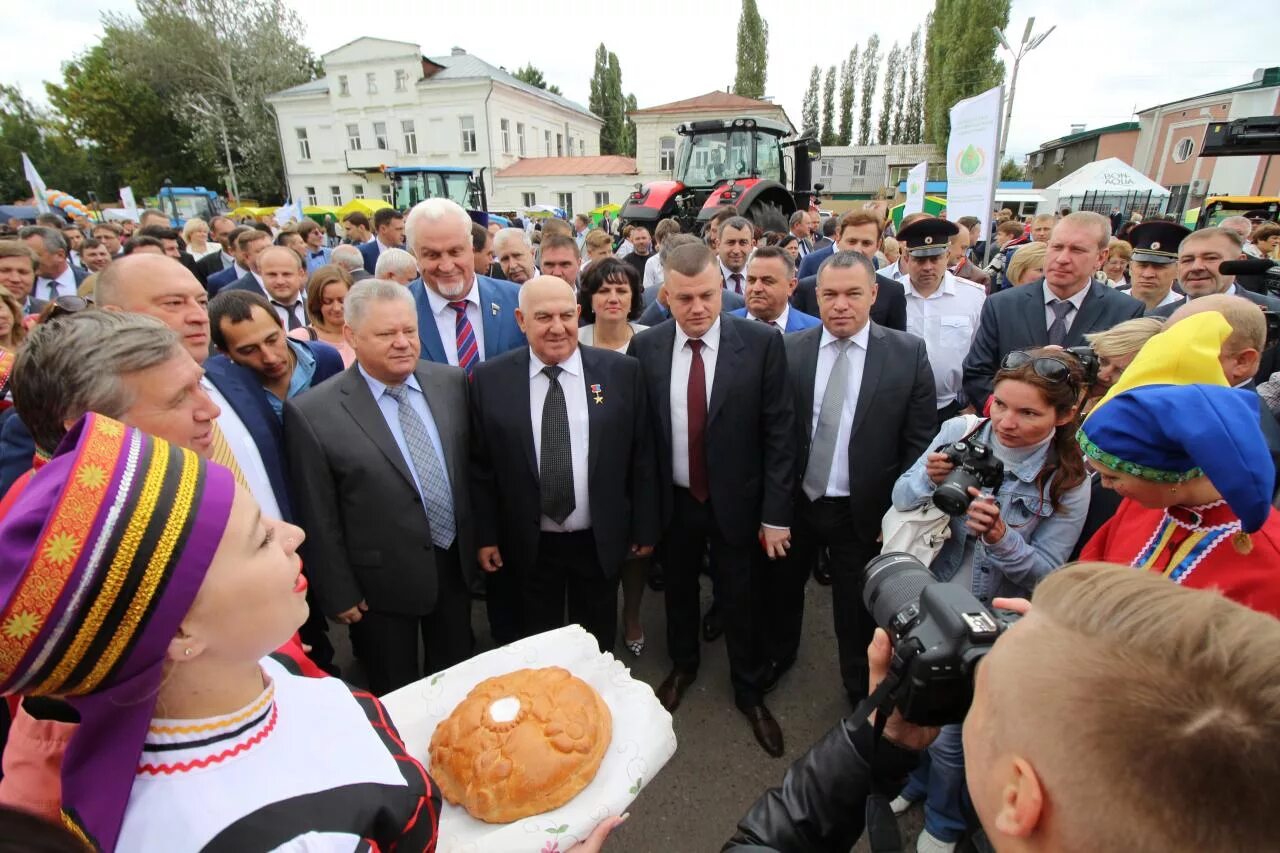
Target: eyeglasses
(1054,370)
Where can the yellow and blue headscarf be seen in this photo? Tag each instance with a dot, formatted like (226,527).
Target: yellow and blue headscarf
(1172,418)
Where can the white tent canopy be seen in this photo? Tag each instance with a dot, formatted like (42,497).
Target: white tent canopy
(1112,176)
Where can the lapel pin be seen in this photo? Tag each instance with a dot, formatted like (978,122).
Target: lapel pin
(493,309)
(598,392)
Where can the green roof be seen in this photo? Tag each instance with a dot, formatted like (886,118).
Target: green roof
(1270,77)
(1122,127)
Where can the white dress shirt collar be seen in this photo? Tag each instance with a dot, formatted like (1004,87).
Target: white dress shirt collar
(1077,299)
(725,272)
(66,280)
(711,338)
(946,288)
(571,365)
(781,319)
(860,338)
(377,387)
(439,304)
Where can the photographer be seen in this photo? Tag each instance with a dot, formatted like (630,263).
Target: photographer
(1122,713)
(1001,545)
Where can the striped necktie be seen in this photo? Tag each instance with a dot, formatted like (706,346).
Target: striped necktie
(220,452)
(465,338)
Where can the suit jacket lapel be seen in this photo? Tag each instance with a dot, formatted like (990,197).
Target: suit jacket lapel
(592,374)
(359,403)
(428,334)
(448,422)
(662,378)
(520,406)
(730,345)
(872,367)
(807,372)
(1033,313)
(490,320)
(1090,308)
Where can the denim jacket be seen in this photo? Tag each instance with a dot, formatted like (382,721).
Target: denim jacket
(1037,539)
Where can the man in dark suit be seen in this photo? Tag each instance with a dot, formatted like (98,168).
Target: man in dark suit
(55,275)
(349,258)
(379,458)
(243,274)
(562,468)
(858,231)
(222,231)
(1060,310)
(388,223)
(721,414)
(279,276)
(866,410)
(465,318)
(771,279)
(656,309)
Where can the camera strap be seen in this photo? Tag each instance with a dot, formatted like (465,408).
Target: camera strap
(881,825)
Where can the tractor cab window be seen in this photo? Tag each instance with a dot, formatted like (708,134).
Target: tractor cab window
(768,160)
(708,158)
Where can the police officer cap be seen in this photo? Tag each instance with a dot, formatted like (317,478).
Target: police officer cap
(927,238)
(1157,242)
(1258,215)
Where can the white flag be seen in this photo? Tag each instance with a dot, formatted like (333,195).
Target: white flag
(915,189)
(128,203)
(973,157)
(37,184)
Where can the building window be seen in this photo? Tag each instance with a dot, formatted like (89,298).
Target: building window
(528,199)
(357,190)
(386,194)
(935,172)
(667,154)
(410,136)
(1038,160)
(582,148)
(1177,198)
(602,199)
(559,144)
(520,137)
(898,174)
(344,88)
(1058,155)
(565,201)
(380,135)
(505,126)
(304,144)
(310,193)
(353,137)
(371,83)
(1183,150)
(335,192)
(402,80)
(547,143)
(468,134)
(859,166)
(825,168)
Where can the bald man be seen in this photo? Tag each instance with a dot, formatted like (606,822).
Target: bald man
(1082,714)
(559,523)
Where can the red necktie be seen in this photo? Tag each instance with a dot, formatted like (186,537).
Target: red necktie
(468,352)
(696,402)
(737,282)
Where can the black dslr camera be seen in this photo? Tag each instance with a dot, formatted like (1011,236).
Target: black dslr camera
(1089,363)
(976,465)
(940,633)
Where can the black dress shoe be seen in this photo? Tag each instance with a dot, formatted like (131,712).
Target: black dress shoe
(673,687)
(766,729)
(655,580)
(712,624)
(821,572)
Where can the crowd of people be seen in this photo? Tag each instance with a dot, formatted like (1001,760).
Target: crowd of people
(219,445)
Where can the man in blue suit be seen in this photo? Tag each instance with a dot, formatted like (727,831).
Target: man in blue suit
(249,243)
(771,279)
(388,226)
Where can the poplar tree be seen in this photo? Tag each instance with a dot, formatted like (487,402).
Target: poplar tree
(870,71)
(753,52)
(829,108)
(848,80)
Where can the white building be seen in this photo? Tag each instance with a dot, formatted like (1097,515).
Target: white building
(382,103)
(576,184)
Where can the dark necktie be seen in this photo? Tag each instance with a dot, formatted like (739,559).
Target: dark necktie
(555,469)
(465,338)
(736,278)
(696,403)
(291,314)
(1058,328)
(771,323)
(53,289)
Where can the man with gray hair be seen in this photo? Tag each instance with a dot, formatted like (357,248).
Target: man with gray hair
(798,225)
(55,276)
(349,258)
(396,265)
(515,255)
(463,317)
(1242,226)
(379,457)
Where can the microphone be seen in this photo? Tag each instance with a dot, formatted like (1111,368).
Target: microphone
(1252,266)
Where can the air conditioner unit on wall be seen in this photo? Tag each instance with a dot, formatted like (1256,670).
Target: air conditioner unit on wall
(1197,187)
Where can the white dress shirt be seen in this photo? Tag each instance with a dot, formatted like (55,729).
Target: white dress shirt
(681,361)
(1173,296)
(946,320)
(1077,300)
(64,284)
(573,383)
(838,479)
(780,323)
(299,305)
(893,271)
(246,452)
(447,320)
(652,272)
(725,272)
(390,410)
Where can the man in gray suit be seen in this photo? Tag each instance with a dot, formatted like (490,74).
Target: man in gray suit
(378,458)
(1059,310)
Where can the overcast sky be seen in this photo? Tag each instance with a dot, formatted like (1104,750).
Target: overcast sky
(1105,58)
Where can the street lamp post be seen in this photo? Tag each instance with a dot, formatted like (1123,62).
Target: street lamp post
(1028,44)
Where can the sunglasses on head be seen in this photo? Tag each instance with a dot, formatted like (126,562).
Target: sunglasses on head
(1046,367)
(64,305)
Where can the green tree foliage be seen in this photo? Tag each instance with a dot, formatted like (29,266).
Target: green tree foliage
(215,62)
(870,71)
(889,104)
(753,52)
(533,76)
(829,108)
(809,114)
(62,162)
(1011,171)
(632,106)
(913,124)
(848,82)
(960,57)
(617,136)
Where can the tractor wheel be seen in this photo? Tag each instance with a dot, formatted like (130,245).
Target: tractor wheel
(767,216)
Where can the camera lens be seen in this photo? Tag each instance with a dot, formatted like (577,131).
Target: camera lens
(952,496)
(891,582)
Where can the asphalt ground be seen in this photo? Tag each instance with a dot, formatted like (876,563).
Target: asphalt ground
(718,770)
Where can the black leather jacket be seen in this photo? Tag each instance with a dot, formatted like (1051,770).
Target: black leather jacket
(821,805)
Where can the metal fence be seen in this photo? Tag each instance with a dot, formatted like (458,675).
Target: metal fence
(1144,203)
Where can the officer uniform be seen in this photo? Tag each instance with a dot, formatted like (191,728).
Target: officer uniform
(1157,243)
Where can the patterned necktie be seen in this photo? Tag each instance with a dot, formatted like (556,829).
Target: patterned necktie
(822,452)
(1058,328)
(773,324)
(220,452)
(293,321)
(555,468)
(429,467)
(465,338)
(736,277)
(696,404)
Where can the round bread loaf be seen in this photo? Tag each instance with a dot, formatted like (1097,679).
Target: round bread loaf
(521,744)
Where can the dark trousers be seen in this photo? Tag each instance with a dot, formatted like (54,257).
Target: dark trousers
(389,643)
(828,523)
(739,583)
(568,568)
(502,604)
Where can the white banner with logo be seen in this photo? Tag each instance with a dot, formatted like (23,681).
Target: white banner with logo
(128,203)
(973,156)
(38,190)
(915,189)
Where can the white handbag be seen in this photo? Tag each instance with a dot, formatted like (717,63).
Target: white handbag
(920,532)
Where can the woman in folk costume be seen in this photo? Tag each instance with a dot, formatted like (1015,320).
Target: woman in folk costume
(141,584)
(1187,453)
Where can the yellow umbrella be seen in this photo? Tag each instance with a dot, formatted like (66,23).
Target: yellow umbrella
(603,209)
(367,206)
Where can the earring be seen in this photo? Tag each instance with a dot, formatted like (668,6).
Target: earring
(186,652)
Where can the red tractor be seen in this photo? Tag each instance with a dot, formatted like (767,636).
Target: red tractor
(740,162)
